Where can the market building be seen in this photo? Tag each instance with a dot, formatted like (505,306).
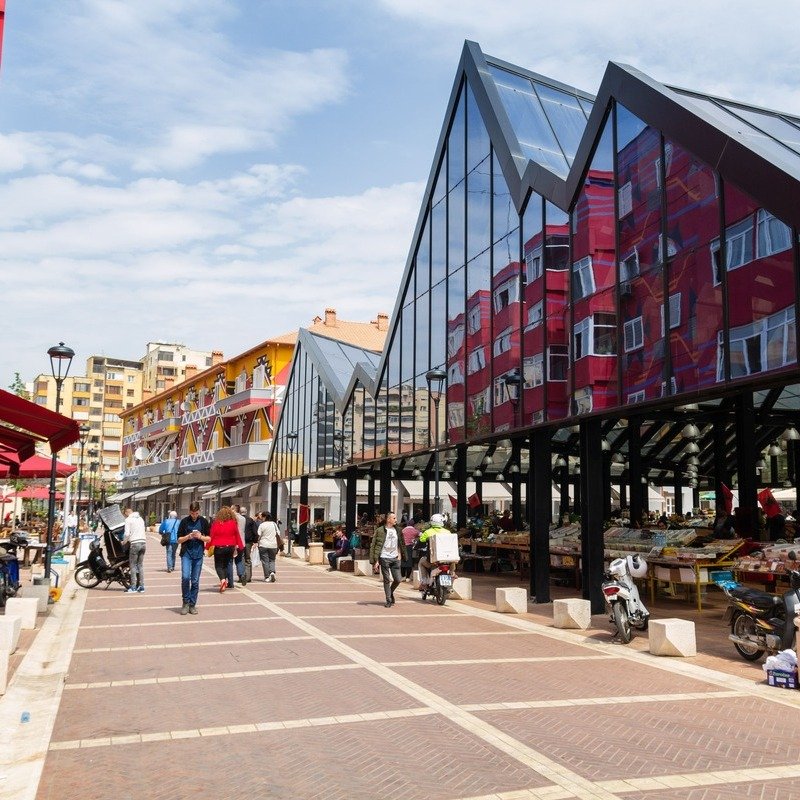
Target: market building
(601,294)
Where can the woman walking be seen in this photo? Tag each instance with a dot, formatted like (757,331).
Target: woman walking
(269,542)
(227,542)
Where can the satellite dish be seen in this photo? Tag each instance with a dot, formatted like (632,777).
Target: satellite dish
(184,406)
(140,453)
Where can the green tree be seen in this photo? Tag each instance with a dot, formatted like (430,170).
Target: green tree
(18,387)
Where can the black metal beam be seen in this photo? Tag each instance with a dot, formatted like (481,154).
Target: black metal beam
(592,517)
(539,515)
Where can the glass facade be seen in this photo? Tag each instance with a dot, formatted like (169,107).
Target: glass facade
(659,277)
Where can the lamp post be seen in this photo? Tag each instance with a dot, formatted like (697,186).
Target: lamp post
(60,360)
(338,438)
(93,466)
(436,379)
(84,430)
(513,381)
(291,439)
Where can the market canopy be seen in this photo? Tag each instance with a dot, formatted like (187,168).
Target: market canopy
(34,493)
(27,423)
(34,467)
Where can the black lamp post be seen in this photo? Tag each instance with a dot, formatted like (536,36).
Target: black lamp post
(513,381)
(436,379)
(93,466)
(60,360)
(84,429)
(291,439)
(338,438)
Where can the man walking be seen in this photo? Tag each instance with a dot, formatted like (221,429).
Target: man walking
(136,537)
(244,569)
(192,538)
(386,551)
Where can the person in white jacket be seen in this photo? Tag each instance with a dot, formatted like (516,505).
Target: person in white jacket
(136,537)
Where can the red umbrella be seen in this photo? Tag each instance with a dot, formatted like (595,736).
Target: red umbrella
(34,467)
(34,493)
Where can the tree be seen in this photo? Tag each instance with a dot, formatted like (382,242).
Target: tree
(18,387)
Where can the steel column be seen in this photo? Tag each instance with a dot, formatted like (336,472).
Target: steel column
(540,514)
(746,454)
(592,514)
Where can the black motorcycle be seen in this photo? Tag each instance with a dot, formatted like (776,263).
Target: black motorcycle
(96,569)
(762,622)
(9,565)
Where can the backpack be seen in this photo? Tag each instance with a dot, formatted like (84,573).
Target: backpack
(355,540)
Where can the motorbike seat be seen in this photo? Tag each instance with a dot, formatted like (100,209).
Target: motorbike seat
(756,598)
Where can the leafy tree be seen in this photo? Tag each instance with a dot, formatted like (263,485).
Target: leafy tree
(18,387)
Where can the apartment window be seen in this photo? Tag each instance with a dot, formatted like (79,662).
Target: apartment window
(80,401)
(165,355)
(739,248)
(113,390)
(455,340)
(535,315)
(110,418)
(40,401)
(455,415)
(455,374)
(97,398)
(98,368)
(633,334)
(533,371)
(168,371)
(479,403)
(636,397)
(208,361)
(41,386)
(629,267)
(129,393)
(582,400)
(625,199)
(476,360)
(474,319)
(80,387)
(533,264)
(114,376)
(558,358)
(673,387)
(113,403)
(538,417)
(502,344)
(773,236)
(768,343)
(583,278)
(672,250)
(160,384)
(506,294)
(674,312)
(582,338)
(595,335)
(131,378)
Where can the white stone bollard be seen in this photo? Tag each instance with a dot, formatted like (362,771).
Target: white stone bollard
(572,612)
(415,579)
(25,608)
(361,566)
(4,654)
(41,592)
(462,589)
(10,626)
(672,637)
(511,600)
(299,552)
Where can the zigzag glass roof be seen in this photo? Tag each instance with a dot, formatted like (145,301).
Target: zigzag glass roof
(549,122)
(342,359)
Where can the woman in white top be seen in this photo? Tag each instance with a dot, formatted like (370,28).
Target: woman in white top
(269,542)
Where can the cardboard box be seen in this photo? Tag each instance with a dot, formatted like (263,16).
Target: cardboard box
(782,679)
(444,547)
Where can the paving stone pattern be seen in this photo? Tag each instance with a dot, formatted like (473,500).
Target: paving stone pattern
(310,688)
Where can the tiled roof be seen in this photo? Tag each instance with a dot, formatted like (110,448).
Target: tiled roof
(366,335)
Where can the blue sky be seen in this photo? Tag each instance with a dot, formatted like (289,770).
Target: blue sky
(218,171)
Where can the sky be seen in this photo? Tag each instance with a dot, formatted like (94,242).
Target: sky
(216,172)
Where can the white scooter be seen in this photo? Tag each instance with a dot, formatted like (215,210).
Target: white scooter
(622,596)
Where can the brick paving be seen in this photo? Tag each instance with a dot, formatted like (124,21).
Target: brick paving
(311,688)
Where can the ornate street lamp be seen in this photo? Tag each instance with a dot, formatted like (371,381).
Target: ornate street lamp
(60,360)
(291,439)
(93,466)
(513,382)
(436,379)
(84,431)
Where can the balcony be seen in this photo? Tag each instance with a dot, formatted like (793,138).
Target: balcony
(242,453)
(157,430)
(157,469)
(248,400)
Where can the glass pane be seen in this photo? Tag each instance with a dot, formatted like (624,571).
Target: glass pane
(692,225)
(456,144)
(394,361)
(783,131)
(456,355)
(439,188)
(423,260)
(438,248)
(438,325)
(477,137)
(422,333)
(477,410)
(565,117)
(455,209)
(504,214)
(407,320)
(478,211)
(586,105)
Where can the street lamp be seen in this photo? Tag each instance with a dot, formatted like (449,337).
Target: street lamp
(338,438)
(513,381)
(60,360)
(291,439)
(436,379)
(93,466)
(84,431)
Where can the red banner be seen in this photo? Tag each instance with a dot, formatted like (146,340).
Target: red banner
(768,503)
(474,501)
(303,514)
(728,494)
(453,501)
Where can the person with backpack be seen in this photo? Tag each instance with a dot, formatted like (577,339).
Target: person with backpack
(169,538)
(269,543)
(342,548)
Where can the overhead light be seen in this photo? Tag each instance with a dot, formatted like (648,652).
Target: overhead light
(692,448)
(445,476)
(692,469)
(514,469)
(773,450)
(617,458)
(500,477)
(689,407)
(416,473)
(787,484)
(693,460)
(761,464)
(561,462)
(605,446)
(643,479)
(690,431)
(477,474)
(790,434)
(693,483)
(486,461)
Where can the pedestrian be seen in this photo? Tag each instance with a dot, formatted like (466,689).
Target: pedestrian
(269,543)
(386,551)
(410,535)
(226,541)
(169,535)
(70,528)
(242,559)
(136,538)
(341,549)
(193,535)
(425,565)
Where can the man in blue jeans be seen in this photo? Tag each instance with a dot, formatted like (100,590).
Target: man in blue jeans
(192,538)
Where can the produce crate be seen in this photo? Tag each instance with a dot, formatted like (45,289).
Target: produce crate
(782,679)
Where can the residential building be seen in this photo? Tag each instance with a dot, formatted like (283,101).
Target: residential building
(164,364)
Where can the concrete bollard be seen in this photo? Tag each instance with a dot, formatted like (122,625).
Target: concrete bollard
(573,612)
(511,600)
(672,637)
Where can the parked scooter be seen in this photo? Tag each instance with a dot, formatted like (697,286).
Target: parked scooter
(9,565)
(440,584)
(626,609)
(95,569)
(762,622)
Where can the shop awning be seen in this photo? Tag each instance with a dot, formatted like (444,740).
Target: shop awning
(118,497)
(40,423)
(213,491)
(143,494)
(230,491)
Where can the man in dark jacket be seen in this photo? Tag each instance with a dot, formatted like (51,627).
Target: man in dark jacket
(192,538)
(387,552)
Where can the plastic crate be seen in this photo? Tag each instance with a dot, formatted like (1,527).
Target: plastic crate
(782,679)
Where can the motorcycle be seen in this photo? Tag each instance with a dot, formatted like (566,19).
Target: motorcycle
(762,622)
(626,609)
(9,565)
(95,569)
(440,585)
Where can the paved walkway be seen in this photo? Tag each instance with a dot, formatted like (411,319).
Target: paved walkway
(310,688)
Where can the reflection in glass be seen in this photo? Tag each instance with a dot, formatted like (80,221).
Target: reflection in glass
(479,203)
(456,145)
(477,136)
(504,214)
(533,319)
(477,410)
(422,333)
(407,336)
(456,355)
(438,329)
(455,210)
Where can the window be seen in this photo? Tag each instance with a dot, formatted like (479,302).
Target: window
(636,397)
(559,362)
(773,235)
(41,401)
(114,390)
(455,374)
(625,199)
(455,340)
(538,417)
(672,250)
(165,355)
(79,401)
(131,378)
(533,264)
(113,376)
(474,319)
(582,278)
(113,403)
(110,418)
(739,248)
(502,344)
(129,393)
(674,312)
(633,335)
(479,403)
(582,400)
(168,371)
(259,377)
(582,338)
(455,415)
(506,294)
(629,267)
(97,398)
(535,315)
(595,336)
(208,361)
(476,360)
(768,343)
(160,384)
(79,387)
(673,387)
(533,371)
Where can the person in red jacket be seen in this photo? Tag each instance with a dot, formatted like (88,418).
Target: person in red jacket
(227,542)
